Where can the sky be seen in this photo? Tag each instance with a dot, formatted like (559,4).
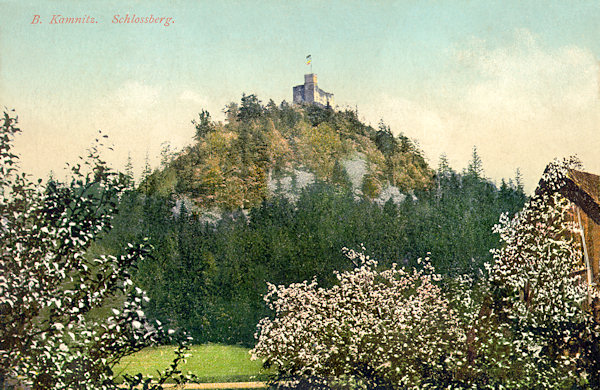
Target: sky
(517,80)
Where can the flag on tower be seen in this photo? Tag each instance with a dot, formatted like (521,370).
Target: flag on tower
(308,59)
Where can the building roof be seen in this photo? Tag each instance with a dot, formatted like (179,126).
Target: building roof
(581,188)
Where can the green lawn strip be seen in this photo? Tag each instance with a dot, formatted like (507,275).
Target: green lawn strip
(210,363)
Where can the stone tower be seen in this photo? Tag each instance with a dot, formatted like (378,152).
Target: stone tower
(309,92)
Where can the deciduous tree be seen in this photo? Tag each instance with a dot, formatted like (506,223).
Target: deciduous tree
(57,329)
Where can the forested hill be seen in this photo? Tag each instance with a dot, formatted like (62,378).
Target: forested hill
(262,149)
(311,181)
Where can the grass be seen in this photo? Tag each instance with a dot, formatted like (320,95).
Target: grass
(210,363)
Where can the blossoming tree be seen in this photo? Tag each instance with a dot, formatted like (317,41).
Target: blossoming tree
(52,331)
(541,296)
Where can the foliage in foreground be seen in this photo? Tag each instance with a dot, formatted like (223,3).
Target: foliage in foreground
(525,325)
(377,328)
(52,335)
(541,295)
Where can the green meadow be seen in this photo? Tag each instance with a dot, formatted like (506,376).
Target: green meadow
(209,362)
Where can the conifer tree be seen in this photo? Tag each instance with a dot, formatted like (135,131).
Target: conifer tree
(203,125)
(146,173)
(129,169)
(147,169)
(475,167)
(519,181)
(444,169)
(166,154)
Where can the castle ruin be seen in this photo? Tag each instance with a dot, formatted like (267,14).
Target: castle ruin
(309,92)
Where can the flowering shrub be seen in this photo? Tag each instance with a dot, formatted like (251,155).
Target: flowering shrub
(541,296)
(52,335)
(390,328)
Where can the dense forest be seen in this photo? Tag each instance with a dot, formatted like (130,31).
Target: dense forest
(269,224)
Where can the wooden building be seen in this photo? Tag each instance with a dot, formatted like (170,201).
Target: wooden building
(583,190)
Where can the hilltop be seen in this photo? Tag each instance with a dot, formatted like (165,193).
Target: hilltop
(261,150)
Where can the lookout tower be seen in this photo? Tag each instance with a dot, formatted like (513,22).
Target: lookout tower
(309,92)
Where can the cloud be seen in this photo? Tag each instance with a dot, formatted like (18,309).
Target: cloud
(528,81)
(194,102)
(134,96)
(527,104)
(520,103)
(193,97)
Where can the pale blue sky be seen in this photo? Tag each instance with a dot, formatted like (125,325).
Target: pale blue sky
(517,79)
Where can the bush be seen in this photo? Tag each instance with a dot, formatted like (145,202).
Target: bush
(376,328)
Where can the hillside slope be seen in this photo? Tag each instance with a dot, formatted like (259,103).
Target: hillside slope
(260,150)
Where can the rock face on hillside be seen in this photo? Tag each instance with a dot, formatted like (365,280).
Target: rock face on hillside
(265,150)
